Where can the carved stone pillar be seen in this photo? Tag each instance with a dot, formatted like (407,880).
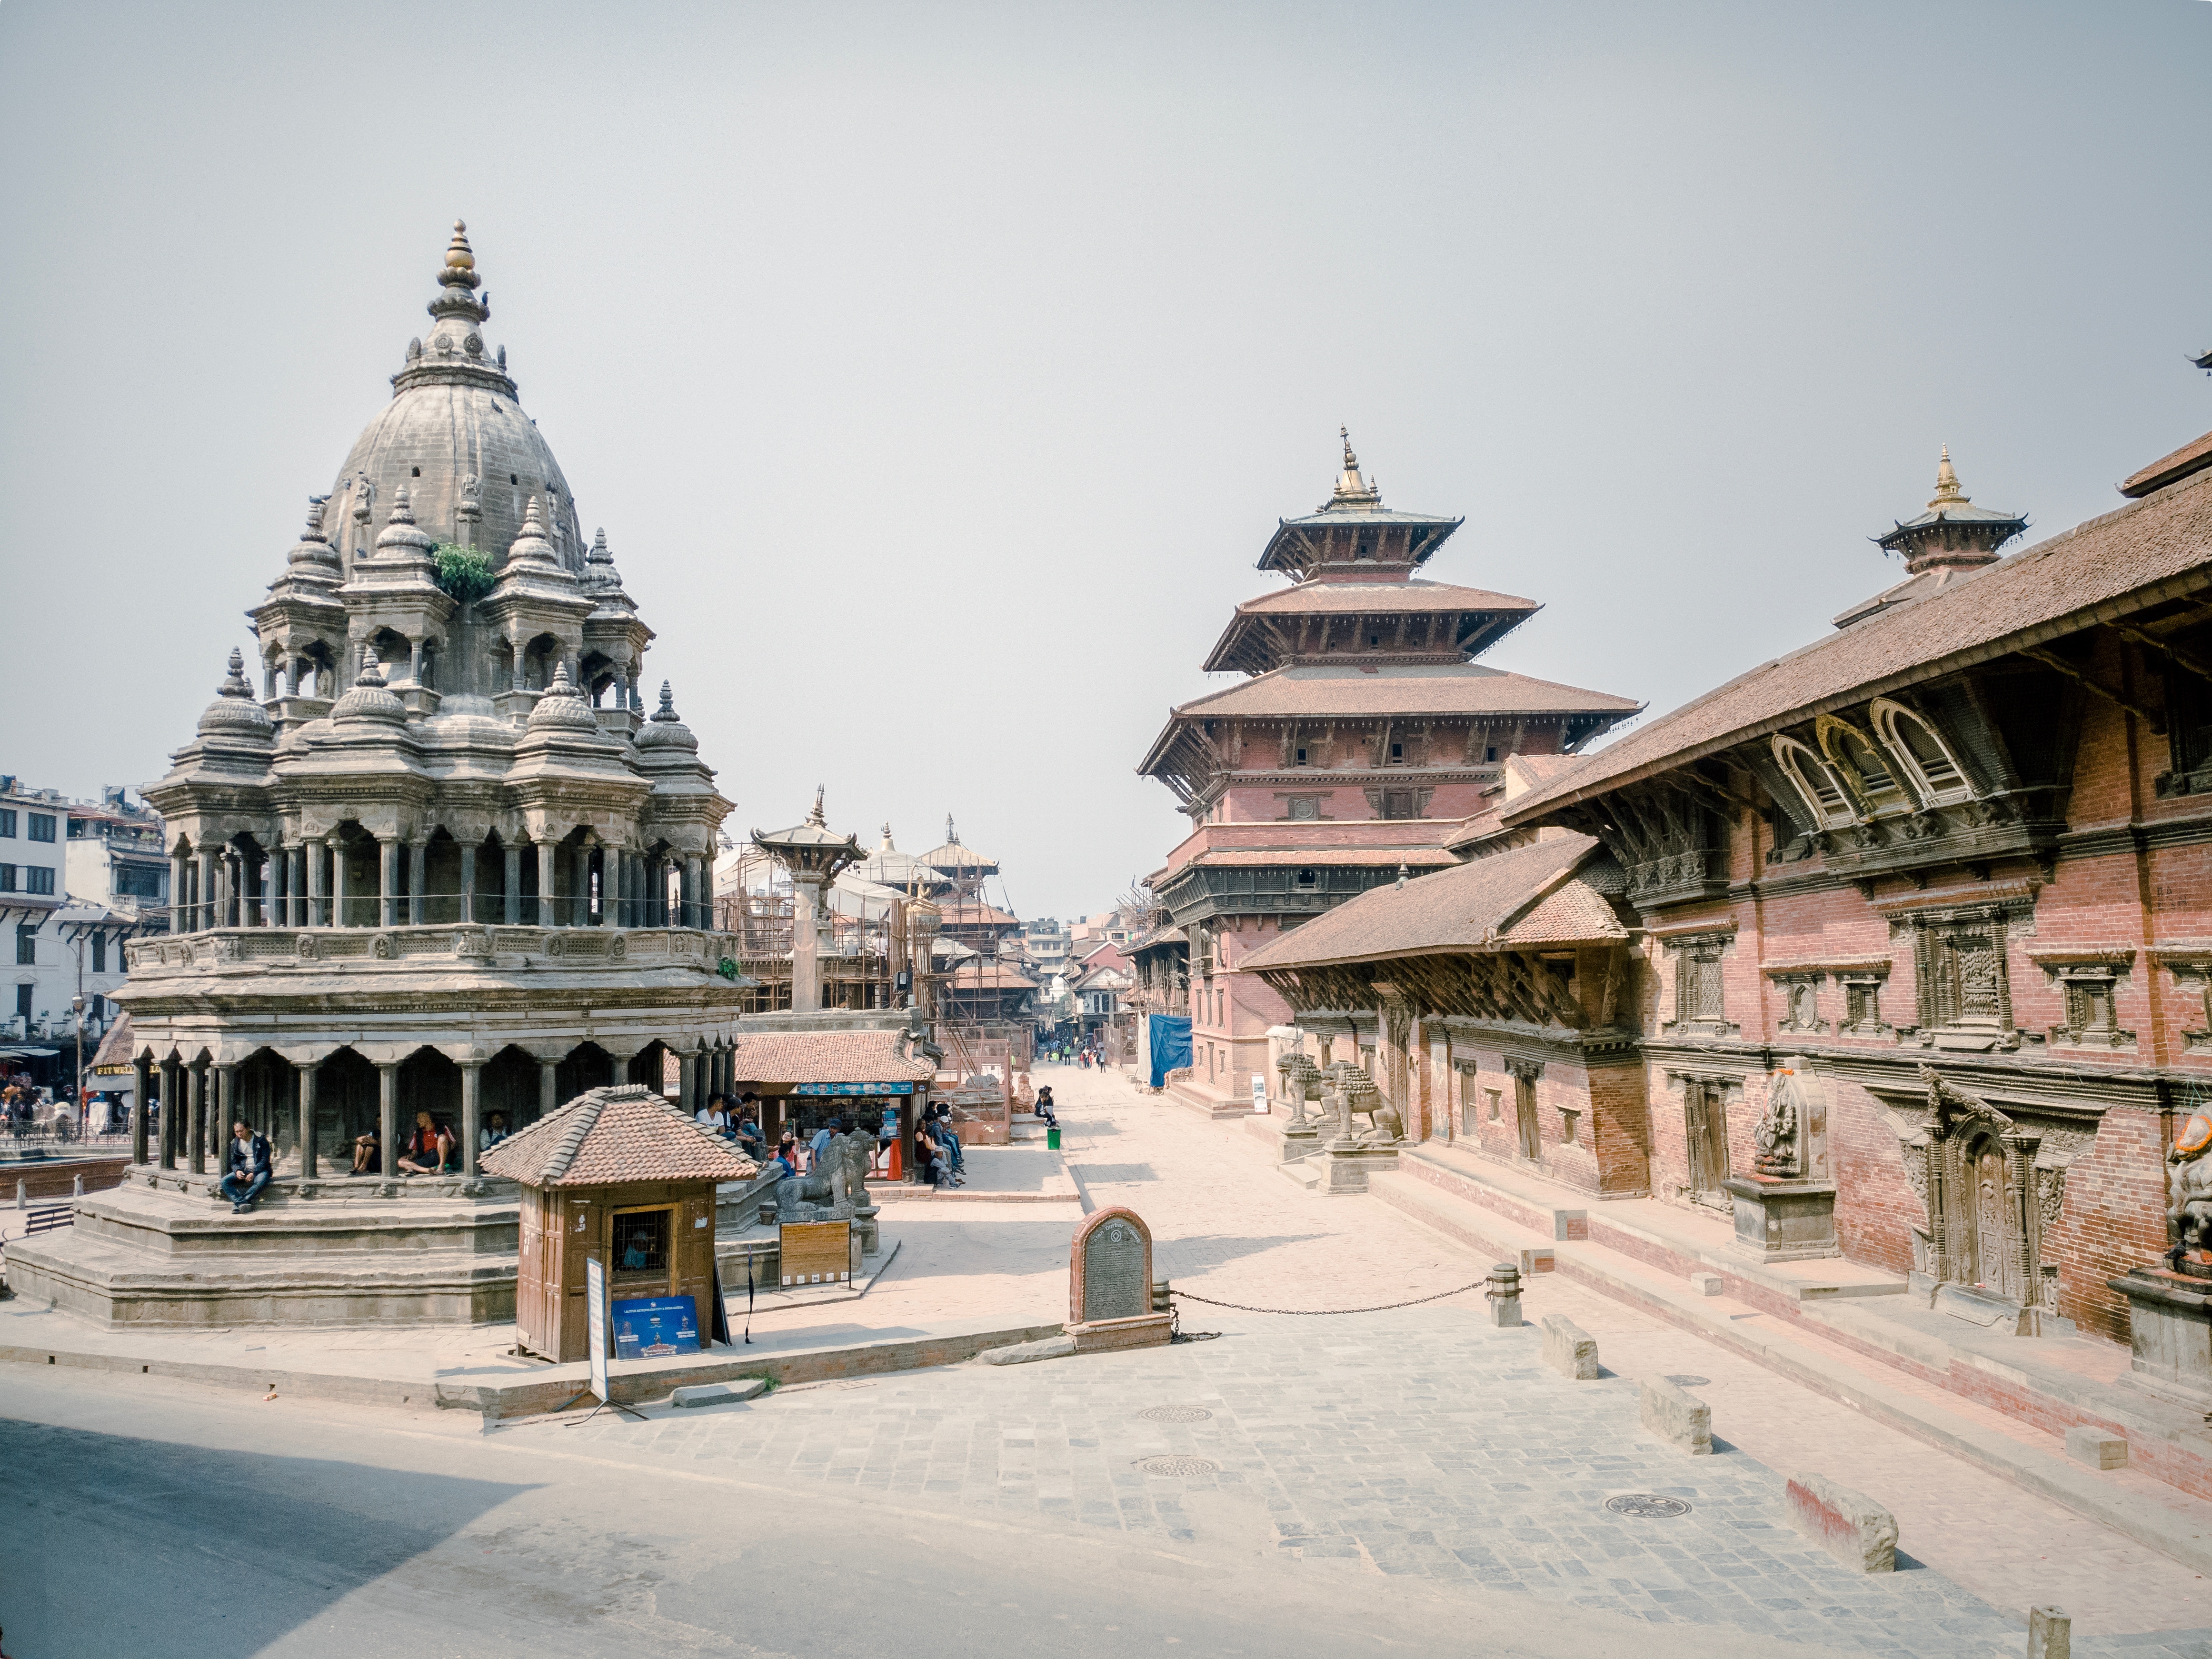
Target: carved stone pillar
(418,856)
(142,1070)
(549,1087)
(196,1124)
(468,909)
(338,918)
(307,1070)
(510,886)
(387,1114)
(226,1112)
(179,899)
(687,1071)
(387,885)
(173,1095)
(611,880)
(548,885)
(472,1113)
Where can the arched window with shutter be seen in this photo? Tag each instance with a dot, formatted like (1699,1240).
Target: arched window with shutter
(1822,790)
(1862,765)
(1933,769)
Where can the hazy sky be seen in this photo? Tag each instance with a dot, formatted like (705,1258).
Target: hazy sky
(938,372)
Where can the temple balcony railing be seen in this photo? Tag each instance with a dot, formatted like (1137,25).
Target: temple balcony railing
(403,909)
(481,943)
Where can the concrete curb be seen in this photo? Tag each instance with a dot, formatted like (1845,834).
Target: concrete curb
(2078,1489)
(535,1392)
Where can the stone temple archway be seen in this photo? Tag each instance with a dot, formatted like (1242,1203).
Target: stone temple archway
(345,1107)
(587,1067)
(511,1086)
(429,1082)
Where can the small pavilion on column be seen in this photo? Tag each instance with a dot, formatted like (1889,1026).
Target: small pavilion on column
(814,854)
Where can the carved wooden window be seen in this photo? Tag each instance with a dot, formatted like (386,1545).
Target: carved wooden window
(1822,790)
(2189,720)
(1307,878)
(2090,1004)
(1962,978)
(1398,804)
(1861,764)
(1862,1004)
(1697,983)
(1301,759)
(1928,760)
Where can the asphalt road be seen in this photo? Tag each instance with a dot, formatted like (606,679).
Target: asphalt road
(153,1517)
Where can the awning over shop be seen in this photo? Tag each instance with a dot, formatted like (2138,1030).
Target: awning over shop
(853,1089)
(23,1051)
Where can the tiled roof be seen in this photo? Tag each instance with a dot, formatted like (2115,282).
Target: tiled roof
(981,973)
(1419,858)
(1320,689)
(1468,907)
(2139,556)
(976,915)
(2170,469)
(1320,597)
(614,1137)
(826,1057)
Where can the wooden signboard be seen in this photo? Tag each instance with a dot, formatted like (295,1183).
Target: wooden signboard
(816,1252)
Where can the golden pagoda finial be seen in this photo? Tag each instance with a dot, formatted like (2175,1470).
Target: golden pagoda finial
(458,254)
(1948,492)
(1351,461)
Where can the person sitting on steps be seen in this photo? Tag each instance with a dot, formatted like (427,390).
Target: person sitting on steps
(421,1155)
(246,1169)
(369,1154)
(1044,1107)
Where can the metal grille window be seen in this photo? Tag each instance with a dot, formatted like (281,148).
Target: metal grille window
(42,825)
(38,878)
(27,945)
(7,824)
(640,1242)
(7,877)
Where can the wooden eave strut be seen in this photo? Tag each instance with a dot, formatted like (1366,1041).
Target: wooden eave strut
(2155,721)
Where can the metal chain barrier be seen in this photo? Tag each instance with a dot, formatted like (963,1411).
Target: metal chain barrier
(1327,1313)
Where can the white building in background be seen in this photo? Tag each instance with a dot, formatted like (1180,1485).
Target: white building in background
(75,880)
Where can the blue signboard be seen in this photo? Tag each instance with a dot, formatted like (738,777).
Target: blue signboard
(653,1327)
(853,1089)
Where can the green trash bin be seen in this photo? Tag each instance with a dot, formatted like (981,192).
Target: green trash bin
(1052,1139)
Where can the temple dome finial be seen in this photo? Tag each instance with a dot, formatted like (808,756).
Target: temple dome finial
(1948,492)
(235,714)
(459,270)
(1351,489)
(816,817)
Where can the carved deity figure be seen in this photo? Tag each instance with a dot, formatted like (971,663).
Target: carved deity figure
(1776,1137)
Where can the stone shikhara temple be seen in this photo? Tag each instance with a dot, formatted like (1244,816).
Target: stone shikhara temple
(440,860)
(1896,949)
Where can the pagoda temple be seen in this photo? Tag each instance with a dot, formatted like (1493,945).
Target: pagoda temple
(1365,734)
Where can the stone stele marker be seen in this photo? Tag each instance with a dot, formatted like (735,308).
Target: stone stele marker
(1110,1284)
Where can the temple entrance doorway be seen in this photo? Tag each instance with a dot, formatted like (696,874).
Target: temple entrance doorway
(1704,1126)
(1524,1118)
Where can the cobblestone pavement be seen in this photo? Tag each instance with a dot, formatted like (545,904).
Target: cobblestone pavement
(1425,1443)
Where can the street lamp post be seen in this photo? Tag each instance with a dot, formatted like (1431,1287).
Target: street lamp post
(77,1007)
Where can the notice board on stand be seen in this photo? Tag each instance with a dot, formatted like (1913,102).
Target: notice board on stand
(816,1253)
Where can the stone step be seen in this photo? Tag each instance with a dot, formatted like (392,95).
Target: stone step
(1306,1172)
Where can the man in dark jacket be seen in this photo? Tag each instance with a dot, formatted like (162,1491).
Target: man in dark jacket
(246,1168)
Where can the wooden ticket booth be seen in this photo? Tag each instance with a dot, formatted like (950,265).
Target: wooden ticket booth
(619,1176)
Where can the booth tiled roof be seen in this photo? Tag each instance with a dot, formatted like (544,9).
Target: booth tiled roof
(1470,906)
(615,1137)
(826,1057)
(2146,553)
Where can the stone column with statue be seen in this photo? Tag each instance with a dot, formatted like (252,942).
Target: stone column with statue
(2170,1301)
(1785,1206)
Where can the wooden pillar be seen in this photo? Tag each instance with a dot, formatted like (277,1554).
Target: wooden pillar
(472,1112)
(142,1069)
(388,1113)
(468,882)
(307,1070)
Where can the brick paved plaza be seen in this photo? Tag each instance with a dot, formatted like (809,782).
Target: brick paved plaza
(1415,1471)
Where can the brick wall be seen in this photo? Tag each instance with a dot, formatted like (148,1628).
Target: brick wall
(1876,1208)
(2114,1218)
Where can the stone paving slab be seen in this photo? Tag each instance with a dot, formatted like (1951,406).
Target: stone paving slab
(1420,1444)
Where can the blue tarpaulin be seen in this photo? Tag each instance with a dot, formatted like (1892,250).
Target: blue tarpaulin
(1169,1045)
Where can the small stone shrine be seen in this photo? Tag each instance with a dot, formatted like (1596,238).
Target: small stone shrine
(1109,1295)
(1786,1208)
(620,1177)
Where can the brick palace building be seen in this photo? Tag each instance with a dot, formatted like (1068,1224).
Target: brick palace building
(1912,925)
(1366,733)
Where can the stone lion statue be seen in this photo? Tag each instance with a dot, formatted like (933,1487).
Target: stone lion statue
(2188,1185)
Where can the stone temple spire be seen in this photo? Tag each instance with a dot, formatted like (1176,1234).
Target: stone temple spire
(816,817)
(455,350)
